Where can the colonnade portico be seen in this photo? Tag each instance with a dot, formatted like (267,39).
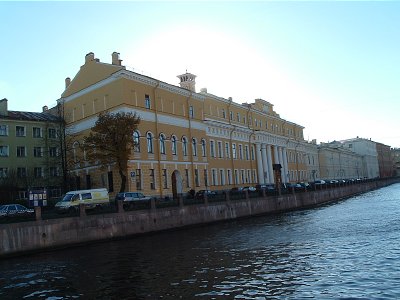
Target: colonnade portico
(264,163)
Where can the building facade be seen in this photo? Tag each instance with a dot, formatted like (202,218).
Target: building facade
(185,140)
(385,161)
(29,149)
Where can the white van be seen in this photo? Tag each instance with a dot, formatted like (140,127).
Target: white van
(94,198)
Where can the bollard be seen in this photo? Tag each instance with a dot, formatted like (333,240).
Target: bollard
(120,206)
(82,211)
(153,204)
(38,213)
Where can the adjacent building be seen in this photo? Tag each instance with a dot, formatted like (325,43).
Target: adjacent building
(29,149)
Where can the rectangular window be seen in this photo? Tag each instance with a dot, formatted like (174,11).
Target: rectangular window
(248,178)
(21,151)
(223,113)
(246,152)
(196,177)
(240,152)
(234,151)
(165,178)
(52,133)
(252,152)
(37,132)
(220,152)
(3,130)
(3,172)
(19,130)
(238,117)
(229,176)
(212,149)
(147,102)
(152,181)
(236,177)
(191,112)
(53,151)
(37,172)
(213,177)
(53,171)
(222,177)
(21,172)
(37,152)
(227,152)
(242,176)
(187,177)
(231,115)
(4,151)
(138,179)
(205,178)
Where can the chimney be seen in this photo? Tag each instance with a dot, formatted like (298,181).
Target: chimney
(115,59)
(188,81)
(67,82)
(45,108)
(3,107)
(89,57)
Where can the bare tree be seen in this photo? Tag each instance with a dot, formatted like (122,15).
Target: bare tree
(110,141)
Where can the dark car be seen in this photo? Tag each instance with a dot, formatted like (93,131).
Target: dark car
(131,196)
(9,210)
(210,194)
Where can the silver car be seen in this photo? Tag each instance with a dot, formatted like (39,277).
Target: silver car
(9,210)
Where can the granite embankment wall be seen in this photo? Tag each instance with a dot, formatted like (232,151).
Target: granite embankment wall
(19,238)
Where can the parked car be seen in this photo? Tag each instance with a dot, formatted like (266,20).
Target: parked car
(295,186)
(305,185)
(9,210)
(319,182)
(249,188)
(132,196)
(210,194)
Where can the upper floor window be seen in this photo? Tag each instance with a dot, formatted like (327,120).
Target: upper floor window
(52,133)
(3,172)
(38,172)
(227,152)
(136,141)
(220,151)
(194,147)
(21,172)
(174,146)
(3,130)
(37,152)
(191,111)
(234,151)
(21,151)
(231,115)
(223,113)
(149,137)
(212,149)
(4,151)
(53,151)
(184,146)
(147,101)
(162,143)
(203,147)
(238,117)
(20,131)
(37,132)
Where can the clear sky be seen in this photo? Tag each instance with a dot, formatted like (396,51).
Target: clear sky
(332,67)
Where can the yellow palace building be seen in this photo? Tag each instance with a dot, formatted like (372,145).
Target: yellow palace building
(186,139)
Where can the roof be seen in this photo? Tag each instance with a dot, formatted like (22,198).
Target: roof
(30,116)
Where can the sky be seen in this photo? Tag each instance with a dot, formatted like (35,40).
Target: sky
(330,66)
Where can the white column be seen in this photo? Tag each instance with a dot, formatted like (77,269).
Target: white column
(260,171)
(281,163)
(265,162)
(270,170)
(286,165)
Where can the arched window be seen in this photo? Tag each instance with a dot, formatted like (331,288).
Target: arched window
(174,145)
(136,141)
(184,146)
(203,147)
(149,138)
(162,143)
(194,147)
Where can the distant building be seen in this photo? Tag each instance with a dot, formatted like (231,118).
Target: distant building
(29,149)
(336,161)
(368,150)
(395,156)
(385,161)
(186,139)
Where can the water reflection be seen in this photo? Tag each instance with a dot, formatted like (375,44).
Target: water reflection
(349,249)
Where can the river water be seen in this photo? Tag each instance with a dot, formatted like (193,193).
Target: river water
(345,250)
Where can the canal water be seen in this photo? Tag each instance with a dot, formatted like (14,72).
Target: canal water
(349,249)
